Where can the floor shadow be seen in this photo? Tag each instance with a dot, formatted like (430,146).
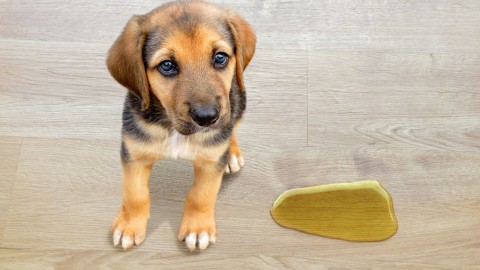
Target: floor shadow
(169,184)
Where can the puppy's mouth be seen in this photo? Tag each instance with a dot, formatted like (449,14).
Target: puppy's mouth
(188,128)
(185,128)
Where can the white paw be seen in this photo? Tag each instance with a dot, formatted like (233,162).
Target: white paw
(234,164)
(126,240)
(201,240)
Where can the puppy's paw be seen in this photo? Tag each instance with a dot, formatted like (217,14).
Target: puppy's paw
(235,161)
(198,229)
(129,230)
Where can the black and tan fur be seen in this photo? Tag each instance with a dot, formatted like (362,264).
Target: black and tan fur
(157,117)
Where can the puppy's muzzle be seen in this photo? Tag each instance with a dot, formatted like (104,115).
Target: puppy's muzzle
(204,116)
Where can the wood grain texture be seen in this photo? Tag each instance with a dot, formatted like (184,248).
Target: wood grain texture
(427,26)
(428,100)
(338,91)
(10,148)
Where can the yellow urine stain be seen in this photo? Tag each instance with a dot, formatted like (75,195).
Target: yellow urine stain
(358,211)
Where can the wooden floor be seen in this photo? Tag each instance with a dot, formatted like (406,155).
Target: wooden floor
(338,91)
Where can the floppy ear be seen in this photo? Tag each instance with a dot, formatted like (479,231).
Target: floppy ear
(245,40)
(125,61)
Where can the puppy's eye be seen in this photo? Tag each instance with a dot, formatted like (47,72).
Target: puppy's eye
(168,68)
(220,60)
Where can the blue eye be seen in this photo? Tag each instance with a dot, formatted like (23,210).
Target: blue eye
(168,68)
(220,60)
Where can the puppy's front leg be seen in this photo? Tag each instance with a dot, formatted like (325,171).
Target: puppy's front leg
(198,221)
(131,222)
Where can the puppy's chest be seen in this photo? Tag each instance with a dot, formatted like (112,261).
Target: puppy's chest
(177,146)
(173,145)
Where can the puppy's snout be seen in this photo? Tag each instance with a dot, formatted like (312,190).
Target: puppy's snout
(204,115)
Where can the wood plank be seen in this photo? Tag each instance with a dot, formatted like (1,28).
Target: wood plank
(66,21)
(426,100)
(54,89)
(10,148)
(59,183)
(405,25)
(276,98)
(84,259)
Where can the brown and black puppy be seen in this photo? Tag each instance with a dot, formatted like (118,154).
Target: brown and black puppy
(183,65)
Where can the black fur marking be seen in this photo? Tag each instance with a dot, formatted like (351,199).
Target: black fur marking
(153,42)
(156,113)
(222,162)
(225,30)
(124,154)
(129,123)
(238,100)
(224,135)
(132,110)
(188,21)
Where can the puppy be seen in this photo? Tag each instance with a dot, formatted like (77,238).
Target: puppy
(183,65)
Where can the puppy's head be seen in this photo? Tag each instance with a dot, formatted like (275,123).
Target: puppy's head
(188,55)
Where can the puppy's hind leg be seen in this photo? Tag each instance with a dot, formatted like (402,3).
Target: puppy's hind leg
(235,158)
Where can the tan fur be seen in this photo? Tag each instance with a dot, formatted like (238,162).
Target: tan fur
(234,149)
(125,60)
(135,211)
(162,149)
(194,54)
(198,214)
(200,83)
(245,40)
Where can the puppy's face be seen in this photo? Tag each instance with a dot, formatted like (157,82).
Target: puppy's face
(188,55)
(191,73)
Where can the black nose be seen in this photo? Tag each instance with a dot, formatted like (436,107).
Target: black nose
(204,116)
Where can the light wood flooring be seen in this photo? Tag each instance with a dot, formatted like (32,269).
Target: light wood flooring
(338,91)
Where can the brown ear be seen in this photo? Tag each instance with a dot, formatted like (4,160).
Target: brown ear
(125,61)
(245,40)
